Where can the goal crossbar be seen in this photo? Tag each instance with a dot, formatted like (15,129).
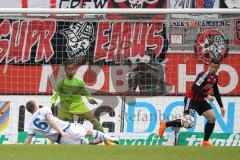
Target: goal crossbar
(116,11)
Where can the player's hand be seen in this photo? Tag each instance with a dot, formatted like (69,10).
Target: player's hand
(222,112)
(92,101)
(210,98)
(64,134)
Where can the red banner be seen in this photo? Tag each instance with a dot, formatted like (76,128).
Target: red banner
(182,69)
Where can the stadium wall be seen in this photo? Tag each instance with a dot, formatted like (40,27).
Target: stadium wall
(133,119)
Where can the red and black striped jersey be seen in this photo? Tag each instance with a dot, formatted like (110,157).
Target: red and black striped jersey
(204,82)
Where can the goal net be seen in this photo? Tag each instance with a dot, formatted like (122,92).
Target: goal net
(137,66)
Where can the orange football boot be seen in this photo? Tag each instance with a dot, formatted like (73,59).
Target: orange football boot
(162,128)
(109,143)
(207,144)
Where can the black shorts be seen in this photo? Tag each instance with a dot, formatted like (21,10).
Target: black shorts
(190,106)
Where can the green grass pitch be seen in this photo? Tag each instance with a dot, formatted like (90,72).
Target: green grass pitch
(101,152)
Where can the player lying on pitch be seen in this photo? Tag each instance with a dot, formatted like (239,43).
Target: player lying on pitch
(61,132)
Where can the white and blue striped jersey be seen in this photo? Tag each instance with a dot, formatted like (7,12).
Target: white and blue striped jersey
(39,124)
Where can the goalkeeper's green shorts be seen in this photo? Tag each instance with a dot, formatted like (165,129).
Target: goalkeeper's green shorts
(66,115)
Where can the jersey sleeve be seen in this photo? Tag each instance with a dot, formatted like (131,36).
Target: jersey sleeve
(46,111)
(217,94)
(54,97)
(84,89)
(56,93)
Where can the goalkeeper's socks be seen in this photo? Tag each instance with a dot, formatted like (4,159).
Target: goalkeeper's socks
(208,130)
(175,123)
(97,125)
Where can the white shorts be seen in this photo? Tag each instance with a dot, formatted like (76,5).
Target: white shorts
(76,134)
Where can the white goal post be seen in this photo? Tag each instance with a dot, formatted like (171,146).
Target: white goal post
(116,11)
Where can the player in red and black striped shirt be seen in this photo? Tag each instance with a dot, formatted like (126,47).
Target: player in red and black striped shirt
(195,101)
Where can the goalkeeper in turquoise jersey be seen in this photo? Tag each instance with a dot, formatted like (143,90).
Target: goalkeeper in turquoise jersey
(70,89)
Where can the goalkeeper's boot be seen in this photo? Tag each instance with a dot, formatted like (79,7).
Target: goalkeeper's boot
(112,141)
(207,144)
(109,143)
(162,128)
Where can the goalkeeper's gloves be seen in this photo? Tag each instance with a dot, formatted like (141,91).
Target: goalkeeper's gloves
(92,101)
(54,110)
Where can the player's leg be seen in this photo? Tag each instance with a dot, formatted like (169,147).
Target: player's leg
(63,114)
(164,125)
(96,125)
(81,141)
(209,127)
(79,132)
(100,135)
(189,106)
(76,135)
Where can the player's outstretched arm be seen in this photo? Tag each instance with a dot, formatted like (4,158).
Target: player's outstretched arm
(84,90)
(54,125)
(217,95)
(29,139)
(218,98)
(54,97)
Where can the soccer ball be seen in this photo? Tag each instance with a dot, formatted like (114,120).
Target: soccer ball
(187,121)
